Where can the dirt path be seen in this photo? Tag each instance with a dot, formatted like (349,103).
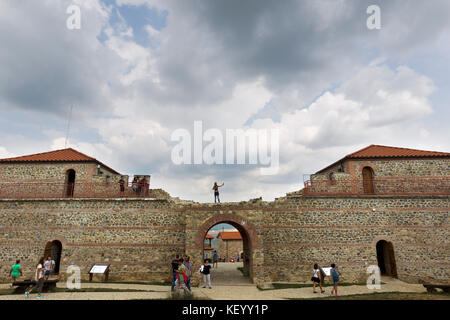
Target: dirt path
(227,274)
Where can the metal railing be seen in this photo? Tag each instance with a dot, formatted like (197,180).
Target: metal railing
(46,189)
(379,186)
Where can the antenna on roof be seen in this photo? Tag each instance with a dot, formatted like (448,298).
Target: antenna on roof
(68,127)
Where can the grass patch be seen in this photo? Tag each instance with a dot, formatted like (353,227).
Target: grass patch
(279,286)
(9,291)
(386,296)
(153,283)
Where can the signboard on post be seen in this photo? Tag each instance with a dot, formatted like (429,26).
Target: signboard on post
(327,271)
(99,269)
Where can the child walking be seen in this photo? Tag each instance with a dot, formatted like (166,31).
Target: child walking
(316,279)
(335,279)
(15,272)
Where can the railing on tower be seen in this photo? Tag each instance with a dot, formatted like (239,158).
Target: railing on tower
(381,186)
(53,189)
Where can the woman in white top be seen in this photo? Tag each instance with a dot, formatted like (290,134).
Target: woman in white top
(39,277)
(316,279)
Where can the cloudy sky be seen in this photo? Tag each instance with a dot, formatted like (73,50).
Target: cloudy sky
(139,69)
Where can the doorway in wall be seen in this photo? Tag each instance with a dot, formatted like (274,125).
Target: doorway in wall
(386,258)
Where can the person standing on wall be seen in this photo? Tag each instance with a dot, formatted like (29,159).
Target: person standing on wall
(39,277)
(134,184)
(316,278)
(15,272)
(122,184)
(216,191)
(174,266)
(215,259)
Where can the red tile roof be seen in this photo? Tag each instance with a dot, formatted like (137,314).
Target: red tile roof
(208,236)
(377,151)
(63,155)
(58,155)
(230,235)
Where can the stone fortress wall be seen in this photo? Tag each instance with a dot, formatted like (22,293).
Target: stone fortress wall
(282,239)
(140,237)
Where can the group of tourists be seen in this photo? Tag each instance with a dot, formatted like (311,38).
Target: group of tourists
(182,273)
(319,277)
(44,269)
(139,186)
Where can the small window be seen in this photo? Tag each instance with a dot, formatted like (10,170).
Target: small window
(367,174)
(331,177)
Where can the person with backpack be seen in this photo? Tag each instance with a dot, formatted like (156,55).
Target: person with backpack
(316,279)
(39,277)
(188,266)
(205,269)
(335,278)
(15,272)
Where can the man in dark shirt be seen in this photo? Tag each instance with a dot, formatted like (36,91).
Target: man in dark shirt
(174,270)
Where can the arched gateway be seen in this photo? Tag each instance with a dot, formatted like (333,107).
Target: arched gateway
(253,254)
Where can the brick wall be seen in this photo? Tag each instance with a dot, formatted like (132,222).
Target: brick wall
(229,248)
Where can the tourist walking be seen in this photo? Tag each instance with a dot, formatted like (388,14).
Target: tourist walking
(49,265)
(215,259)
(39,277)
(181,276)
(188,266)
(15,272)
(216,191)
(316,278)
(335,278)
(205,269)
(174,266)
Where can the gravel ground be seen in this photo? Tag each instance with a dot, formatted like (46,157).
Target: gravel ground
(228,283)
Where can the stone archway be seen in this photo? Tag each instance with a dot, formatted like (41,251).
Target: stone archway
(251,245)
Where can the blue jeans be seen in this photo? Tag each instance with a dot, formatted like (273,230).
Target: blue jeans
(174,278)
(188,283)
